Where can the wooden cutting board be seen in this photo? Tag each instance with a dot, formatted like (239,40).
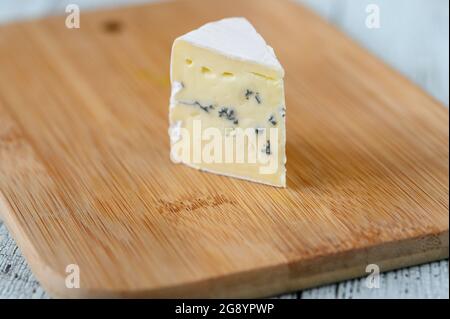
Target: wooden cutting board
(86,179)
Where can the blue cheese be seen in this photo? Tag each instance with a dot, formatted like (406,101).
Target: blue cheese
(225,77)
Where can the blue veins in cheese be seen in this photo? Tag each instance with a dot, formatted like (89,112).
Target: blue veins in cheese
(228,102)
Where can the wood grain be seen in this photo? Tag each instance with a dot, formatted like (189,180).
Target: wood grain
(425,281)
(86,178)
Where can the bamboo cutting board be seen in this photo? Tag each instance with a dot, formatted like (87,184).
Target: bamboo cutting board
(85,175)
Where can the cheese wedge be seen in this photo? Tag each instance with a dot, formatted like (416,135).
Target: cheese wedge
(227,108)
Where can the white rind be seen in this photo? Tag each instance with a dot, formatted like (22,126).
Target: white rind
(236,38)
(175,132)
(176,87)
(282,179)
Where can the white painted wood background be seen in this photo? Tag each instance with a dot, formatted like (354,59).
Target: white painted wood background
(413,38)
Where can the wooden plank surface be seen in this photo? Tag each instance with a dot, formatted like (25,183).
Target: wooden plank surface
(421,41)
(86,177)
(424,281)
(417,50)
